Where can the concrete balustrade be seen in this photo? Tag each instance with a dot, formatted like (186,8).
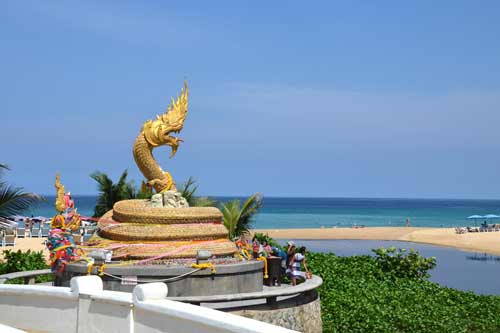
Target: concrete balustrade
(86,307)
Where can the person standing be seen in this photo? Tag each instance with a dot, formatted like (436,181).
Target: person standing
(298,259)
(290,252)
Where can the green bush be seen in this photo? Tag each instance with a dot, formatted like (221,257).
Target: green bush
(260,237)
(18,261)
(402,264)
(375,294)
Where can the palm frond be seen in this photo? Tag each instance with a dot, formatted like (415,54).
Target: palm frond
(230,215)
(14,201)
(237,218)
(188,190)
(110,193)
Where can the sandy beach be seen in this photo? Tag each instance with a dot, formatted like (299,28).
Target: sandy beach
(487,242)
(25,244)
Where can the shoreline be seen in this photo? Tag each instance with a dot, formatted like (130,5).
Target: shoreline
(484,242)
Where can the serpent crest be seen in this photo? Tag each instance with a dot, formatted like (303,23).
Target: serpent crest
(156,133)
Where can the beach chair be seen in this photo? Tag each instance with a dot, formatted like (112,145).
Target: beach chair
(45,231)
(9,240)
(35,232)
(21,232)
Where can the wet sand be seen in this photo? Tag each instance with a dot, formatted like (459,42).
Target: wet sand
(487,242)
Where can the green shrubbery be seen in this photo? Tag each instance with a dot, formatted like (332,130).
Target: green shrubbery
(398,263)
(18,261)
(390,293)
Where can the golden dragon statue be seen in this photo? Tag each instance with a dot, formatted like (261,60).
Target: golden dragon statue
(156,133)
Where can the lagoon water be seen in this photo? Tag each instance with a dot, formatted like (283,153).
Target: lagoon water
(340,212)
(457,269)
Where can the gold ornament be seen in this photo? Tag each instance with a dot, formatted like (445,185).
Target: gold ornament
(60,205)
(156,133)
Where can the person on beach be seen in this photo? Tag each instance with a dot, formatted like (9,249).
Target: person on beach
(28,225)
(298,259)
(290,252)
(407,222)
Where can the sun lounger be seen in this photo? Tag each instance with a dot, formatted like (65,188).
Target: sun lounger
(21,232)
(35,232)
(9,240)
(45,231)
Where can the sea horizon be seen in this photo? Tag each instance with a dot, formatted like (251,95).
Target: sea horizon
(324,212)
(318,197)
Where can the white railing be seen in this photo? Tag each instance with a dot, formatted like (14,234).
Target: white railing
(86,308)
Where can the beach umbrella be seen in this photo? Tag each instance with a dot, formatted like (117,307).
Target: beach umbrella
(475,217)
(491,216)
(17,218)
(39,218)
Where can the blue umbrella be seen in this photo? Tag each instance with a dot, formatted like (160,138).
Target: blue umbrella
(491,216)
(475,217)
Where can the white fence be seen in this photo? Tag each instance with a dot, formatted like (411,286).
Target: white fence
(86,308)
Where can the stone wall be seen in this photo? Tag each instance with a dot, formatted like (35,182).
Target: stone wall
(305,317)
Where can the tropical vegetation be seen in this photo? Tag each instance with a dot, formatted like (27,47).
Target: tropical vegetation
(188,191)
(19,261)
(390,292)
(110,193)
(237,217)
(13,200)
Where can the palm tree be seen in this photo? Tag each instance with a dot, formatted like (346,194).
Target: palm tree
(13,200)
(237,218)
(110,193)
(188,191)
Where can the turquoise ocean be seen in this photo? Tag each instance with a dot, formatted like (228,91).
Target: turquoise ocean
(339,212)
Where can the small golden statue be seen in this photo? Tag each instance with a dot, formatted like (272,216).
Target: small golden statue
(60,205)
(67,217)
(156,133)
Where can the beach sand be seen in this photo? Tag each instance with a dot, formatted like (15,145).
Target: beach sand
(487,242)
(25,244)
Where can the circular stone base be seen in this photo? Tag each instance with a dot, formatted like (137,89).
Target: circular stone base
(236,278)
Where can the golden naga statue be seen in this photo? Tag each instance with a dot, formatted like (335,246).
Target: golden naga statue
(64,204)
(150,233)
(60,205)
(156,133)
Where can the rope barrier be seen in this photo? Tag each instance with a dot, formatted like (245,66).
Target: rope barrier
(175,278)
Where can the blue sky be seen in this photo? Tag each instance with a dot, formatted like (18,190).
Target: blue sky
(342,99)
